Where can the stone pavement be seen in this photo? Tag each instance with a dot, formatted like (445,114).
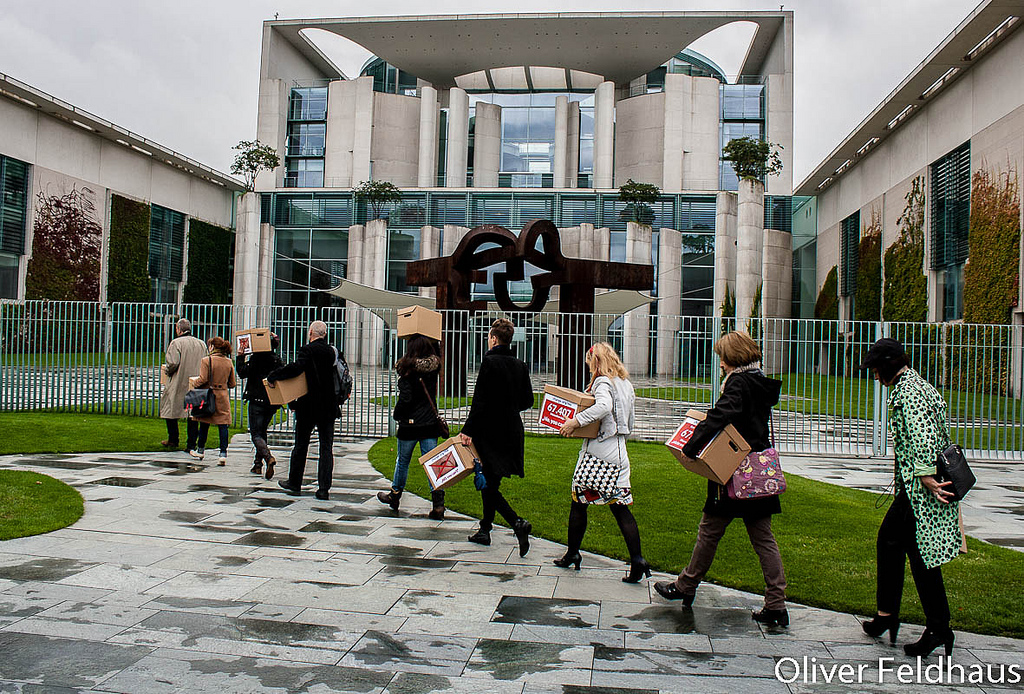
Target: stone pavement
(193,578)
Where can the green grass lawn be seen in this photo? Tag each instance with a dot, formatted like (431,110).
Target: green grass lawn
(826,534)
(31,503)
(51,359)
(71,432)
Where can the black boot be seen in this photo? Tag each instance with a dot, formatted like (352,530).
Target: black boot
(880,624)
(771,618)
(391,498)
(637,570)
(570,559)
(669,591)
(929,641)
(522,530)
(437,512)
(481,537)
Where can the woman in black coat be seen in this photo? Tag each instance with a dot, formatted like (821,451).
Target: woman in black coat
(746,402)
(254,368)
(418,372)
(495,428)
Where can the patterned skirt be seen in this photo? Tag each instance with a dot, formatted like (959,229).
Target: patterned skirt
(595,482)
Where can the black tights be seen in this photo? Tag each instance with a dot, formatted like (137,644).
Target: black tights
(623,516)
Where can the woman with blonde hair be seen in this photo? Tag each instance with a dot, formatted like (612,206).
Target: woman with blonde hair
(746,402)
(602,469)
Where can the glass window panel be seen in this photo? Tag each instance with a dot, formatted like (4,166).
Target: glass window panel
(404,244)
(8,276)
(515,124)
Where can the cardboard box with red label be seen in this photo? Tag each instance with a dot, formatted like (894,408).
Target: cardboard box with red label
(448,463)
(286,391)
(419,320)
(719,458)
(252,340)
(559,405)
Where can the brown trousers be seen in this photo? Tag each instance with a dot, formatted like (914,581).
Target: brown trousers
(711,530)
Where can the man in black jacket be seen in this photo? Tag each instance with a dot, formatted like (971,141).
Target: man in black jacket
(317,408)
(254,368)
(495,428)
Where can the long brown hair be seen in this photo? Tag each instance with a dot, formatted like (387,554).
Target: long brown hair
(219,345)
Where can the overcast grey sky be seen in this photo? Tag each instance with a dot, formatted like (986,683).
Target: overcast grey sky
(186,74)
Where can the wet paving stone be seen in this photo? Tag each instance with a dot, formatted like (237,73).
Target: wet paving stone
(266,538)
(123,481)
(61,662)
(547,611)
(184,516)
(44,569)
(337,528)
(178,469)
(58,464)
(411,653)
(533,662)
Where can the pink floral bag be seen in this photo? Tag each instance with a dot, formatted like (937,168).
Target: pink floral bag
(759,475)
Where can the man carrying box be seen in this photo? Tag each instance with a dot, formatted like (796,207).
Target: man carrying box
(495,427)
(317,408)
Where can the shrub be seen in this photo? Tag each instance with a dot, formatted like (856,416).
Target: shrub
(128,262)
(906,286)
(868,291)
(991,275)
(638,198)
(209,257)
(827,305)
(753,158)
(66,239)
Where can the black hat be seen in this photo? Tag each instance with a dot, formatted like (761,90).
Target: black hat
(886,350)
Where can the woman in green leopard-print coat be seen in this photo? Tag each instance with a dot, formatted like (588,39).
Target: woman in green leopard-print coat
(922,524)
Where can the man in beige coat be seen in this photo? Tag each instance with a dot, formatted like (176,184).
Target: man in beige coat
(184,355)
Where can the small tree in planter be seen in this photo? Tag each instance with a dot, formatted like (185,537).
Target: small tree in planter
(638,197)
(753,158)
(252,159)
(378,195)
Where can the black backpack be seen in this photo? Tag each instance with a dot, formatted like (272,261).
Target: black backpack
(342,378)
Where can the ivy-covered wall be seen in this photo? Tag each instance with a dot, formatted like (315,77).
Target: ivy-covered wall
(991,275)
(66,240)
(209,263)
(906,285)
(128,259)
(827,305)
(867,304)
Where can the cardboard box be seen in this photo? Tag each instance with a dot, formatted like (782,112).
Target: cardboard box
(286,391)
(165,380)
(252,340)
(417,320)
(562,404)
(719,458)
(448,463)
(192,380)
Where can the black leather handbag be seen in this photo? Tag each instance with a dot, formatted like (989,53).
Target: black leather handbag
(951,466)
(201,402)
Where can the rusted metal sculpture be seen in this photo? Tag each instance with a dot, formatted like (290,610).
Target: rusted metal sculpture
(538,244)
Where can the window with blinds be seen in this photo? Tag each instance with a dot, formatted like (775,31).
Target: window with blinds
(849,246)
(950,207)
(13,205)
(166,243)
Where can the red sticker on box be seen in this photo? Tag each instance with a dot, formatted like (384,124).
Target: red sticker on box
(683,434)
(555,411)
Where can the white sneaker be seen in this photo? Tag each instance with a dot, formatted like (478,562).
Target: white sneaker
(198,455)
(222,461)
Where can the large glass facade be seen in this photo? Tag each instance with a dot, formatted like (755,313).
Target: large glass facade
(166,253)
(307,137)
(308,261)
(742,115)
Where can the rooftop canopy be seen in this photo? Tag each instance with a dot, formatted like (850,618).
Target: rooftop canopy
(616,46)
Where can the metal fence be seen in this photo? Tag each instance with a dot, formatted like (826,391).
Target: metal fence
(105,358)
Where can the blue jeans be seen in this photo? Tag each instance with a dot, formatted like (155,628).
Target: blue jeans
(222,431)
(405,449)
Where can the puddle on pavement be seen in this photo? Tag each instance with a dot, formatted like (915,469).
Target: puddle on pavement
(265,538)
(511,660)
(547,611)
(176,469)
(58,464)
(184,516)
(44,569)
(122,482)
(338,528)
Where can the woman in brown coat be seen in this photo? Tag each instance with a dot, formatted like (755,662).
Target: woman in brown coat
(217,373)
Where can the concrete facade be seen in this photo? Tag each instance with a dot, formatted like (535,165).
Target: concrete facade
(68,148)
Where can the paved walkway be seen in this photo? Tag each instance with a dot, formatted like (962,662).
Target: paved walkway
(185,578)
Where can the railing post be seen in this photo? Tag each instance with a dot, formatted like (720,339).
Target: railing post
(108,328)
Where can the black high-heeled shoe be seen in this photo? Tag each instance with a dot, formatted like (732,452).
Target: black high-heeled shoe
(929,641)
(637,570)
(569,560)
(882,623)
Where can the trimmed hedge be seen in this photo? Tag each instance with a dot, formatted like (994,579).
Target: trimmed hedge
(867,304)
(209,263)
(906,286)
(128,263)
(991,275)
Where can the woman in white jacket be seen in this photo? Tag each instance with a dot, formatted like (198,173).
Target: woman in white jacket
(602,469)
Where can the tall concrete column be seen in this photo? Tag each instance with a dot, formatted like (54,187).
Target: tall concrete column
(247,250)
(451,238)
(602,243)
(572,146)
(265,292)
(458,138)
(604,134)
(350,124)
(353,313)
(561,141)
(749,239)
(570,237)
(430,244)
(670,275)
(375,266)
(777,274)
(487,145)
(677,104)
(725,248)
(636,328)
(426,172)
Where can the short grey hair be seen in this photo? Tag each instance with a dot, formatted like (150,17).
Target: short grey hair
(183,325)
(318,328)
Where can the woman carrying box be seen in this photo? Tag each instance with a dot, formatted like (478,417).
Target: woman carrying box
(602,469)
(746,402)
(418,372)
